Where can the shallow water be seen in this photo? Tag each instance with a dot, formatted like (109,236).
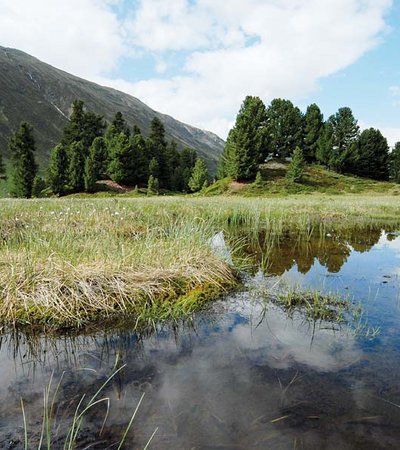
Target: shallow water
(243,374)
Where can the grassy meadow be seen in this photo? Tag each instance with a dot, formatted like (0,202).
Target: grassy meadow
(69,263)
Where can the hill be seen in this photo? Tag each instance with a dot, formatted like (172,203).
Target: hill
(42,95)
(316,179)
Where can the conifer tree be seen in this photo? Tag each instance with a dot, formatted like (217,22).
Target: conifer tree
(345,132)
(371,156)
(296,167)
(76,181)
(83,126)
(245,142)
(199,176)
(259,182)
(284,127)
(325,145)
(39,185)
(122,161)
(2,168)
(152,185)
(394,166)
(154,168)
(58,172)
(96,163)
(157,147)
(22,153)
(313,127)
(140,158)
(116,127)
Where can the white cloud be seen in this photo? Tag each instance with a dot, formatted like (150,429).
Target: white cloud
(392,134)
(80,36)
(226,50)
(395,91)
(255,47)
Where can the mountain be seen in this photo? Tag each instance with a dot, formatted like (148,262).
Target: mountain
(42,95)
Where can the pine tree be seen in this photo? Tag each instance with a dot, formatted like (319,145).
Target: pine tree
(325,145)
(246,142)
(22,154)
(39,185)
(84,126)
(96,163)
(296,167)
(259,182)
(284,127)
(116,127)
(394,166)
(152,185)
(313,128)
(199,176)
(371,156)
(58,172)
(157,148)
(154,168)
(2,168)
(122,161)
(76,181)
(345,132)
(188,158)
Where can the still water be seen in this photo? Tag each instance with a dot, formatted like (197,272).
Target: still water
(243,374)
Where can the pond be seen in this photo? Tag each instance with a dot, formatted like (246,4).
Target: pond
(243,374)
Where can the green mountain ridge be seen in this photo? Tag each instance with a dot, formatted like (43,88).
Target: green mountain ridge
(42,95)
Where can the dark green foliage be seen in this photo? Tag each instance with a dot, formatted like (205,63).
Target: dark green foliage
(296,167)
(325,144)
(2,168)
(394,166)
(152,185)
(24,168)
(259,182)
(345,132)
(39,185)
(154,169)
(313,128)
(96,163)
(58,171)
(116,127)
(371,156)
(83,126)
(199,176)
(188,159)
(157,149)
(246,141)
(76,181)
(140,158)
(284,127)
(122,165)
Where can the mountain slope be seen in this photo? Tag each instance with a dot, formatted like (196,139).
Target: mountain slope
(42,95)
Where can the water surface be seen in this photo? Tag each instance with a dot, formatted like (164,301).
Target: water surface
(243,374)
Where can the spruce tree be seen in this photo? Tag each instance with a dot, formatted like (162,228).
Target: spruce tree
(394,163)
(140,158)
(296,167)
(325,145)
(313,128)
(22,153)
(199,176)
(58,171)
(259,182)
(76,181)
(371,156)
(284,127)
(157,148)
(154,168)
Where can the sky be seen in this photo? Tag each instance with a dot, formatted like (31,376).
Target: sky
(196,60)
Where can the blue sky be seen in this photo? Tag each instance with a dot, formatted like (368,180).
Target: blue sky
(197,59)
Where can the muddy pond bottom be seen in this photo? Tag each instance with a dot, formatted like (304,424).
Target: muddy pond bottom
(244,374)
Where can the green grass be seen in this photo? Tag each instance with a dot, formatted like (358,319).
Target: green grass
(76,262)
(316,180)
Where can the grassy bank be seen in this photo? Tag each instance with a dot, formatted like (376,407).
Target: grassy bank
(72,262)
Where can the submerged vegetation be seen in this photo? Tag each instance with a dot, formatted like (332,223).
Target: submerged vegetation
(71,262)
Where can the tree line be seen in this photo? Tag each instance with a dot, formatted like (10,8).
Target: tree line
(262,132)
(90,151)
